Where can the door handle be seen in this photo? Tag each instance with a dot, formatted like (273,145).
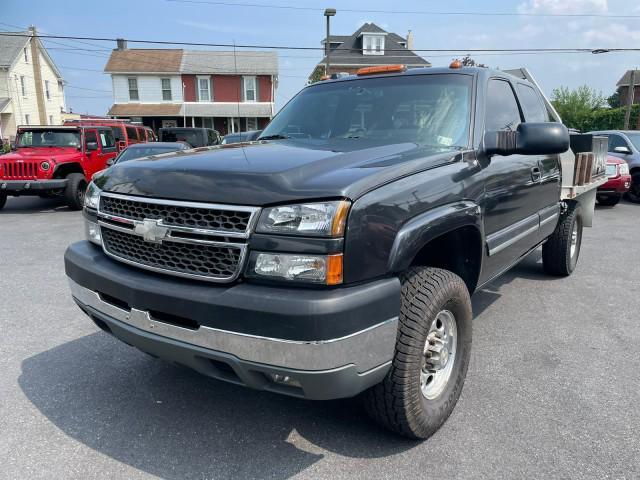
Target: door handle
(535,174)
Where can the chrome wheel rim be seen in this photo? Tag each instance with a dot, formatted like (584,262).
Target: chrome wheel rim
(439,355)
(574,238)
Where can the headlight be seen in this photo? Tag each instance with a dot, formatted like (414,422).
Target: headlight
(92,196)
(324,219)
(45,166)
(624,168)
(92,232)
(322,269)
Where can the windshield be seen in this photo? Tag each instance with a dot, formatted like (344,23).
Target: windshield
(192,137)
(635,139)
(139,152)
(424,109)
(49,138)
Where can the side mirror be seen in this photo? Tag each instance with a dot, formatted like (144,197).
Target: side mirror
(92,146)
(623,150)
(111,161)
(543,138)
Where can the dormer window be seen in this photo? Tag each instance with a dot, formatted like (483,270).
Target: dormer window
(373,44)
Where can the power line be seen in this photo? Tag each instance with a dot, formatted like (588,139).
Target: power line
(412,12)
(288,47)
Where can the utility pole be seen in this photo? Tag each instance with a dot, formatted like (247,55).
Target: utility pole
(37,74)
(329,12)
(632,86)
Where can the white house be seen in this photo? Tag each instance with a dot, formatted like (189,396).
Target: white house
(31,86)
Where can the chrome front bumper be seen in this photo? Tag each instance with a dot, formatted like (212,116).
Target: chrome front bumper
(364,351)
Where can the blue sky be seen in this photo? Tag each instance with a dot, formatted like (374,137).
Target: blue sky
(89,89)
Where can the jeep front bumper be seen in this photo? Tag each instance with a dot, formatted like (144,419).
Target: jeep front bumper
(286,340)
(30,187)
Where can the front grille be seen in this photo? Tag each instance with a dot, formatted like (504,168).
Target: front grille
(220,220)
(195,240)
(212,261)
(13,170)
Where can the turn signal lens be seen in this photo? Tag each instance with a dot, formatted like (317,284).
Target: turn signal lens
(334,269)
(381,69)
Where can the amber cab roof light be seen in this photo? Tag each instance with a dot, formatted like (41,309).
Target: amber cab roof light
(381,69)
(455,64)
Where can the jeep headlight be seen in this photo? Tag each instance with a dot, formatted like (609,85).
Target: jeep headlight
(322,219)
(92,196)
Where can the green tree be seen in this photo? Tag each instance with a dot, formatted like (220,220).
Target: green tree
(576,107)
(614,100)
(317,74)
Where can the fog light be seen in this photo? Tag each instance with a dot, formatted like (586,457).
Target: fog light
(92,232)
(284,380)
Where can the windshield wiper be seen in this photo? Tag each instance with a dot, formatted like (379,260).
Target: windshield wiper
(277,136)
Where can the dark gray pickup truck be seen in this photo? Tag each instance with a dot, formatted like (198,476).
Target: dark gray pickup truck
(337,254)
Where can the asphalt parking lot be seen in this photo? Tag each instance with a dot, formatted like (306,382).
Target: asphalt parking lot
(552,391)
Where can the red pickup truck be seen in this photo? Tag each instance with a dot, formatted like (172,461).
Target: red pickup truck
(55,161)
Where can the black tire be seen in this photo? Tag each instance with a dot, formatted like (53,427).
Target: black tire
(608,200)
(633,195)
(74,191)
(3,200)
(398,403)
(557,256)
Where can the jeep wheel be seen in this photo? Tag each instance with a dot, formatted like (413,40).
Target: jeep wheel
(561,251)
(608,200)
(431,356)
(74,192)
(3,200)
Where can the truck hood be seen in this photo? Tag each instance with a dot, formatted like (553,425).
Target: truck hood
(57,154)
(269,172)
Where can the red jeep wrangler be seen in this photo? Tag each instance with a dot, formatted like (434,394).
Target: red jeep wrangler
(55,161)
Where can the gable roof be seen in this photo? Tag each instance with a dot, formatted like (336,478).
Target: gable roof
(244,63)
(11,46)
(11,49)
(349,53)
(148,60)
(625,80)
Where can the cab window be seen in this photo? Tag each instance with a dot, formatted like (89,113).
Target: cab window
(132,133)
(108,140)
(616,141)
(534,109)
(118,133)
(502,112)
(90,136)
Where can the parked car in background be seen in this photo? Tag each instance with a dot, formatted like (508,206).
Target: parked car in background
(196,137)
(248,136)
(51,161)
(625,144)
(140,150)
(618,184)
(125,132)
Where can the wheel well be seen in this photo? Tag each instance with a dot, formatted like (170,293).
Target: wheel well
(66,168)
(459,251)
(635,170)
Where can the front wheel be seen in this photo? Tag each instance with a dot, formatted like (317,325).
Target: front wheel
(431,357)
(561,251)
(74,191)
(633,195)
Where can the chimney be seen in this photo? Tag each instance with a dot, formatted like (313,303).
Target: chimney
(32,31)
(410,40)
(122,43)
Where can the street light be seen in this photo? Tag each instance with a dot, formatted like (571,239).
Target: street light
(329,12)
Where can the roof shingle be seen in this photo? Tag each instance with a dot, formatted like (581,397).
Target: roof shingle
(147,60)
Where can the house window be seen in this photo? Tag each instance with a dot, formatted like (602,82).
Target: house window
(250,93)
(373,45)
(133,89)
(27,119)
(46,89)
(50,119)
(252,123)
(166,88)
(204,89)
(26,55)
(23,87)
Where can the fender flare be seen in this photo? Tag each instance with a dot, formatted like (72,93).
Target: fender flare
(427,226)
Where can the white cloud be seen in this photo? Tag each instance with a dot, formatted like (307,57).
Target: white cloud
(216,27)
(559,7)
(612,35)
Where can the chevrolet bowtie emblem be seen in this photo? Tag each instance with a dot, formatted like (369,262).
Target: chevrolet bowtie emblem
(151,230)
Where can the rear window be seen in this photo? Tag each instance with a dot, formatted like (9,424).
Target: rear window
(534,109)
(192,137)
(118,133)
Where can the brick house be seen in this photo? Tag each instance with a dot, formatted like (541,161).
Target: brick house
(212,89)
(623,87)
(369,46)
(31,86)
